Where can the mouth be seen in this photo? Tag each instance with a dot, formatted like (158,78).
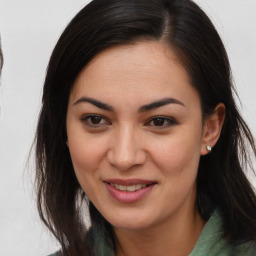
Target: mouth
(129,191)
(131,188)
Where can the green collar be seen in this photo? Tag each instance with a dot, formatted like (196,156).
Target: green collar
(211,241)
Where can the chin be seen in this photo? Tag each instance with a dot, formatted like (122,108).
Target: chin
(131,221)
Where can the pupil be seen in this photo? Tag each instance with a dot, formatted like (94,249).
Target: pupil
(95,119)
(158,121)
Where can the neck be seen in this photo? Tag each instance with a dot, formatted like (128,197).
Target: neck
(175,237)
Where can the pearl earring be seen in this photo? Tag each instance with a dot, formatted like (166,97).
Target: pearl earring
(209,148)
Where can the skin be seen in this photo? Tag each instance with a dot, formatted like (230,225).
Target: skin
(129,143)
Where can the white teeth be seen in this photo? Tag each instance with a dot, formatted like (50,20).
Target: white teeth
(131,188)
(139,186)
(121,187)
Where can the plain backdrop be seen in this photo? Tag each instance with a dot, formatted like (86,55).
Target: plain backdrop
(29,31)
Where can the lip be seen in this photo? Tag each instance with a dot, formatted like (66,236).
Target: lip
(130,182)
(125,196)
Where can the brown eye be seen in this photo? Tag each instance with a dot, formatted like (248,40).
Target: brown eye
(95,121)
(158,121)
(161,122)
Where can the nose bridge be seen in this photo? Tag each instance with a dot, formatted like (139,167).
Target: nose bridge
(126,150)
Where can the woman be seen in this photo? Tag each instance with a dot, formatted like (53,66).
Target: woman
(139,121)
(1,58)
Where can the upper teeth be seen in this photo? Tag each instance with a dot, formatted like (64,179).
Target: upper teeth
(131,188)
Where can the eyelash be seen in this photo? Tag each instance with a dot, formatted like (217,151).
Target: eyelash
(87,120)
(167,122)
(164,121)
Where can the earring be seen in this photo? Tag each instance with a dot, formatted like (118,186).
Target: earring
(209,148)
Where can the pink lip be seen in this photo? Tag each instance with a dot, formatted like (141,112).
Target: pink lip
(129,197)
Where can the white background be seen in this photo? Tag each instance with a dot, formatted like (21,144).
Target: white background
(29,31)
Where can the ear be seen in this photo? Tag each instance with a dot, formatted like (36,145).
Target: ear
(212,128)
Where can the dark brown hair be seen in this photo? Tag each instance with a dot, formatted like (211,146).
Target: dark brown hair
(186,29)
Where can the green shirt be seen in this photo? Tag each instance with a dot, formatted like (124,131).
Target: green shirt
(211,242)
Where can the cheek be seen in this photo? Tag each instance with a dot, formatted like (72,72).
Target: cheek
(86,157)
(179,152)
(86,154)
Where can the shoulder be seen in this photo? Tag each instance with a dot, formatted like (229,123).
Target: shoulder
(245,249)
(212,241)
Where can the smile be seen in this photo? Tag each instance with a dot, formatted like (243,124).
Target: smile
(129,191)
(131,188)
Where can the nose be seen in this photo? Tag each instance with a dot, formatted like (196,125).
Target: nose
(126,149)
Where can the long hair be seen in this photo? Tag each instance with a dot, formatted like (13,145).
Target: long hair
(186,29)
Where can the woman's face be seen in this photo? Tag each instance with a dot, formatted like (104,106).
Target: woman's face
(135,129)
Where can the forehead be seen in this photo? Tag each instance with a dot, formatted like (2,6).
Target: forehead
(143,69)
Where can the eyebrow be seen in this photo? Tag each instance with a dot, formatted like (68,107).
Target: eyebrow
(96,103)
(159,103)
(144,108)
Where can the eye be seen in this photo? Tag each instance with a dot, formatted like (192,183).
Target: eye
(161,122)
(95,120)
